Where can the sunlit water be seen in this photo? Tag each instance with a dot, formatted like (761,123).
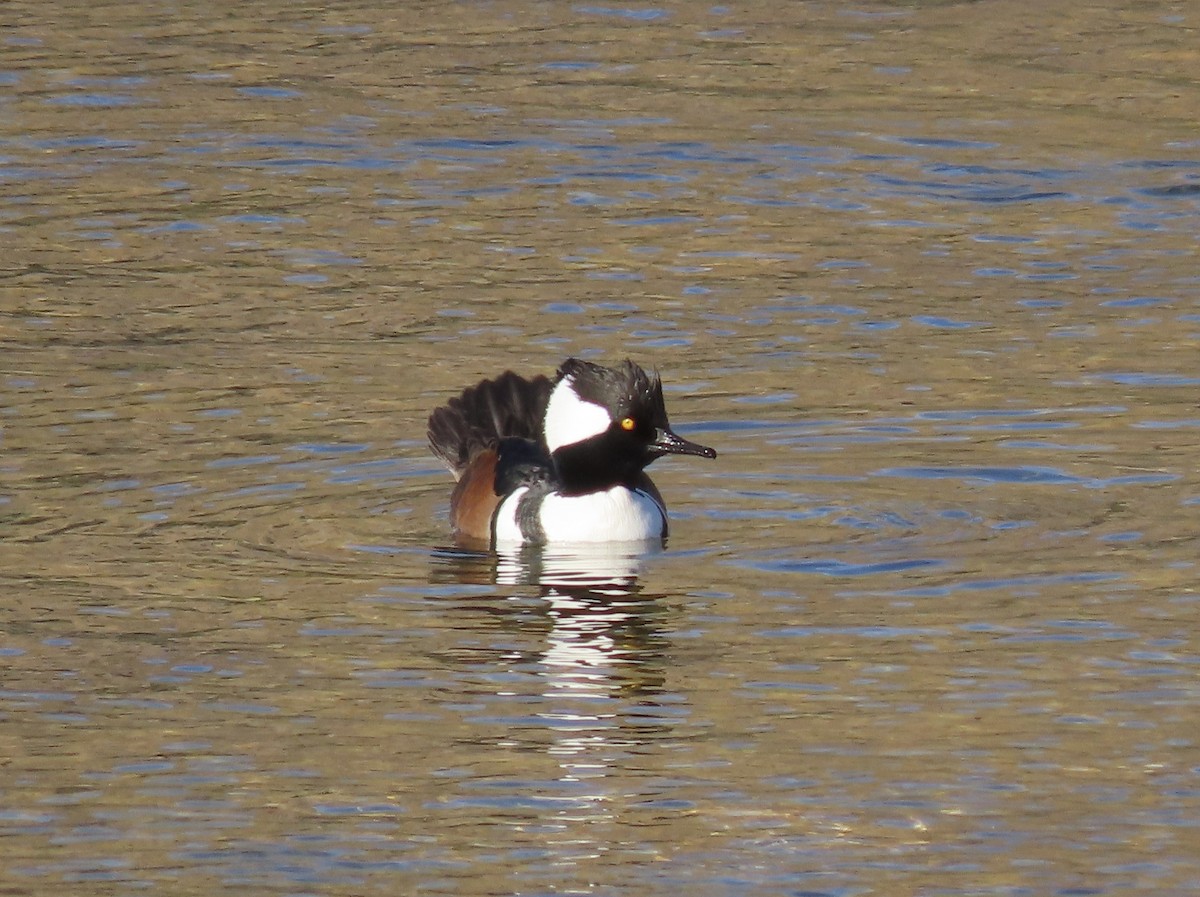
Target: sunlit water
(924,275)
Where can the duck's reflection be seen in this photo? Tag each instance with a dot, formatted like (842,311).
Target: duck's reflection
(587,665)
(599,670)
(603,630)
(600,569)
(610,569)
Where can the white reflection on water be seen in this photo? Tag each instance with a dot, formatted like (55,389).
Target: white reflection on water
(591,660)
(581,682)
(610,568)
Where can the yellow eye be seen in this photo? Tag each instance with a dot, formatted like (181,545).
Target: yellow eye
(628,423)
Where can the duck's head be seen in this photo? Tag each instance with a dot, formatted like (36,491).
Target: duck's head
(604,425)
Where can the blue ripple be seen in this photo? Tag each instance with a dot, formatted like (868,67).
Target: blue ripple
(831,567)
(984,474)
(1137,378)
(637,15)
(1027,475)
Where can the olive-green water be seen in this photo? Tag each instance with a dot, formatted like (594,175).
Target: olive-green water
(925,274)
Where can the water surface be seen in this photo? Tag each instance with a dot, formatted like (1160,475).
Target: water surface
(924,274)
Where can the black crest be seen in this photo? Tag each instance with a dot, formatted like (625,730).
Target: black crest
(626,390)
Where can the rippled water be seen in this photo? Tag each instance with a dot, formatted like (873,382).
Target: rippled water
(924,274)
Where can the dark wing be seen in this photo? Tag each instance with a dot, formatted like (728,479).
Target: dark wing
(508,407)
(489,436)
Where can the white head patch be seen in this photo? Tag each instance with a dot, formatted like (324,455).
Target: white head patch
(570,419)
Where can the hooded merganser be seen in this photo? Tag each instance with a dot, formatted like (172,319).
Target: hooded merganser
(539,461)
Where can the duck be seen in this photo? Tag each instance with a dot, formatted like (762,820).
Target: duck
(556,461)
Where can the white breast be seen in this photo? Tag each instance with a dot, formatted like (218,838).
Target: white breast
(616,515)
(508,531)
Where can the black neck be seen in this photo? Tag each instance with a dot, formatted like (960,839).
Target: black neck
(593,466)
